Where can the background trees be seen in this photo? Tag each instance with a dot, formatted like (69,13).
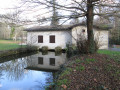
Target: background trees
(11,26)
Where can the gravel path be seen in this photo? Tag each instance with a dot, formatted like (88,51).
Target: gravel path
(114,49)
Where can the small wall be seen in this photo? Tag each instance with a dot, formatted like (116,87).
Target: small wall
(102,38)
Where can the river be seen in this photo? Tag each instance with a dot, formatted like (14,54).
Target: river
(34,72)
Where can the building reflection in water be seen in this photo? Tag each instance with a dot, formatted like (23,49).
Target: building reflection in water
(46,62)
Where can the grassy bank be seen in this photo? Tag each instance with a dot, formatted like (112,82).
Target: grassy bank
(10,47)
(9,44)
(108,52)
(100,71)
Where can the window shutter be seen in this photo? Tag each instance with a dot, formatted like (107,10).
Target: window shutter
(40,60)
(52,61)
(40,39)
(52,39)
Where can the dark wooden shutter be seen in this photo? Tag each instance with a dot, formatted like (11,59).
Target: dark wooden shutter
(52,61)
(40,39)
(40,60)
(52,39)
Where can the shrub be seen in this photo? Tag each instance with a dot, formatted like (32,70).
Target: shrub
(58,49)
(45,48)
(31,48)
(82,45)
(71,50)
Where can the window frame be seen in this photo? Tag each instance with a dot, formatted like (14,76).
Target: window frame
(40,59)
(40,41)
(52,61)
(83,30)
(52,39)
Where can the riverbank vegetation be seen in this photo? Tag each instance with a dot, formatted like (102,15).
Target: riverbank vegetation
(10,47)
(100,71)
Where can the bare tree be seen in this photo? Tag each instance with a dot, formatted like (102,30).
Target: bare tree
(83,8)
(54,21)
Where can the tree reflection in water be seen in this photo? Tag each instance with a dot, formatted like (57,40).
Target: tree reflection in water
(0,76)
(14,69)
(48,79)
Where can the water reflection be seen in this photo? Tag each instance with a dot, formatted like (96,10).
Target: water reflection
(30,73)
(14,70)
(46,62)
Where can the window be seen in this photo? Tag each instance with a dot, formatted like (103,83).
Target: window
(52,39)
(52,61)
(40,60)
(83,30)
(40,39)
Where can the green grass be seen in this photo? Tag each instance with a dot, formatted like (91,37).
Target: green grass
(8,45)
(63,81)
(108,52)
(77,60)
(66,72)
(80,68)
(90,59)
(112,54)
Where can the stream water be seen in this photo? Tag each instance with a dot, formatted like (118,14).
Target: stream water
(34,72)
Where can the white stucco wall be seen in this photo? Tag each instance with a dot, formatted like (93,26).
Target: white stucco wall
(100,35)
(61,38)
(103,38)
(77,31)
(64,37)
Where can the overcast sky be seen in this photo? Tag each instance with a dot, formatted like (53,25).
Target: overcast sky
(6,4)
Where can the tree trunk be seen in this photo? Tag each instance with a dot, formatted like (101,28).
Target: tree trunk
(91,43)
(54,21)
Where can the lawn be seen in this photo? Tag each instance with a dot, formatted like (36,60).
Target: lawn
(8,45)
(108,52)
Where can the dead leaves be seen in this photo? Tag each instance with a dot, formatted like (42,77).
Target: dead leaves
(64,86)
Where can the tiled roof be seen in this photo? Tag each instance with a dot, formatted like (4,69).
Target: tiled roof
(48,28)
(61,28)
